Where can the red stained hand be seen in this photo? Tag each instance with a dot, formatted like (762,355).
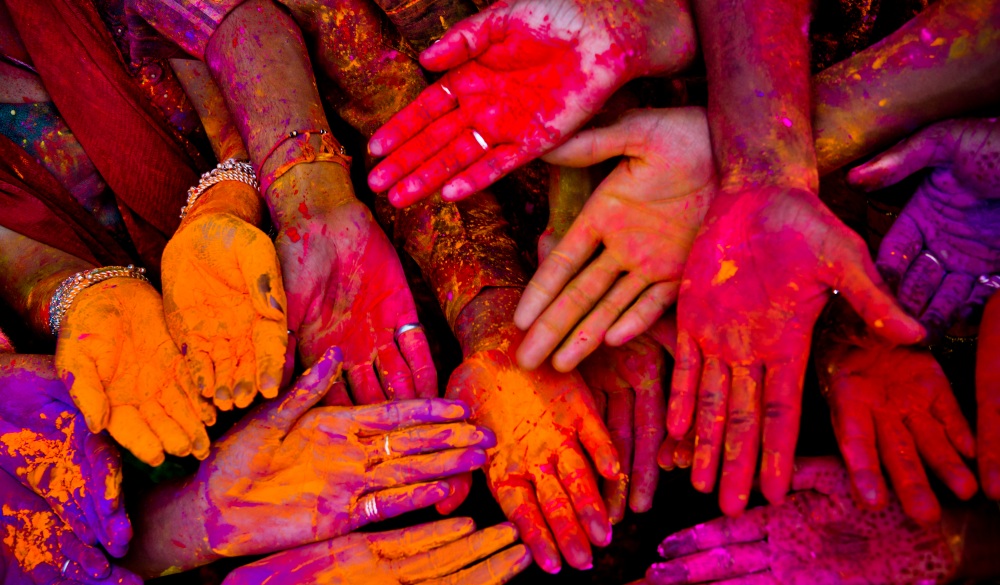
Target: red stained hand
(291,474)
(628,384)
(818,536)
(758,276)
(895,403)
(45,444)
(988,399)
(538,471)
(439,553)
(643,218)
(948,235)
(521,77)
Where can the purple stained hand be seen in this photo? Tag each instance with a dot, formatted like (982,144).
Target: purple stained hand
(46,445)
(43,549)
(948,235)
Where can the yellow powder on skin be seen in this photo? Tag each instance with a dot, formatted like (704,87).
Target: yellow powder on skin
(50,468)
(31,544)
(727,269)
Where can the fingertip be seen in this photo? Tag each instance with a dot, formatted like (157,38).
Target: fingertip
(375,148)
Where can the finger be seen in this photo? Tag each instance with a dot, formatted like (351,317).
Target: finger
(432,103)
(259,264)
(642,315)
(431,438)
(590,333)
(399,544)
(454,556)
(417,353)
(561,518)
(496,570)
(270,343)
(393,373)
(176,403)
(742,439)
(589,147)
(920,283)
(664,332)
(79,374)
(129,428)
(899,454)
(245,381)
(595,439)
(859,282)
(104,492)
(650,430)
(174,440)
(423,468)
(940,454)
(458,154)
(364,384)
(900,247)
(684,385)
(725,531)
(578,481)
(665,455)
(568,307)
(308,390)
(556,271)
(517,499)
(684,452)
(931,146)
(463,41)
(944,307)
(225,377)
(710,424)
(855,432)
(391,416)
(436,141)
(484,172)
(378,506)
(621,406)
(946,410)
(199,362)
(782,414)
(718,563)
(460,485)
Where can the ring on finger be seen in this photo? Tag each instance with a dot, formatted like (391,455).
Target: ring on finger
(482,141)
(990,280)
(371,507)
(405,328)
(64,567)
(388,451)
(932,258)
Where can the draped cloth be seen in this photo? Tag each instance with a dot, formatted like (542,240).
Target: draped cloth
(148,171)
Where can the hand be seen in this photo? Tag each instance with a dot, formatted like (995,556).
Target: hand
(346,287)
(643,217)
(125,373)
(437,552)
(45,548)
(224,300)
(898,400)
(628,382)
(948,235)
(521,78)
(988,399)
(290,474)
(47,447)
(538,471)
(758,276)
(818,536)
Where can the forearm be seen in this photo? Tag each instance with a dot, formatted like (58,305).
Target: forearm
(259,60)
(30,272)
(208,101)
(169,532)
(757,57)
(943,63)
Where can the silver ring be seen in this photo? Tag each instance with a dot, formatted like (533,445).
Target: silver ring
(371,508)
(64,567)
(990,280)
(408,327)
(446,90)
(482,141)
(387,450)
(932,258)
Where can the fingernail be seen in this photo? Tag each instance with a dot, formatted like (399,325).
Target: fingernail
(667,573)
(243,393)
(671,547)
(375,149)
(601,532)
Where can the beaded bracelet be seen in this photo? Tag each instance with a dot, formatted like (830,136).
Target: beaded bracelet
(68,290)
(228,170)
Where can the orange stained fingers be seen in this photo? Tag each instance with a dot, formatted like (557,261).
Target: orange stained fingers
(456,555)
(399,544)
(713,395)
(516,497)
(743,431)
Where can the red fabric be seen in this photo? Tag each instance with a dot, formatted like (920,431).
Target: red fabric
(34,204)
(121,133)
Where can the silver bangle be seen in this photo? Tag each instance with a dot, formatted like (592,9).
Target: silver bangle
(227,170)
(68,290)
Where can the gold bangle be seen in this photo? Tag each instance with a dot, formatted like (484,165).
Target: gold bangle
(227,170)
(68,290)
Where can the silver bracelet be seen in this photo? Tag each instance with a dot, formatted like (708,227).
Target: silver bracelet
(74,285)
(227,170)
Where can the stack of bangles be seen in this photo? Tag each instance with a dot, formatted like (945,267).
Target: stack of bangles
(228,170)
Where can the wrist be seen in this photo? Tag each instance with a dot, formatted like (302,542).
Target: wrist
(309,190)
(231,197)
(487,321)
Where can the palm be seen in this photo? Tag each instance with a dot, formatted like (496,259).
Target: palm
(230,318)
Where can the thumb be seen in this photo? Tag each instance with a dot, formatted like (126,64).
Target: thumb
(79,374)
(258,262)
(308,390)
(589,147)
(865,291)
(932,146)
(463,41)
